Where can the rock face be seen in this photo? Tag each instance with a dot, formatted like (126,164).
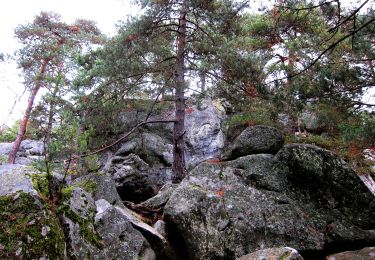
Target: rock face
(367,253)
(278,253)
(15,178)
(303,197)
(28,152)
(254,140)
(142,165)
(29,229)
(204,136)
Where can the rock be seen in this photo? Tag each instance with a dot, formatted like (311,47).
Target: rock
(320,179)
(120,240)
(100,230)
(254,140)
(100,187)
(367,253)
(158,242)
(29,151)
(29,230)
(310,121)
(304,197)
(160,199)
(131,175)
(204,136)
(15,178)
(278,253)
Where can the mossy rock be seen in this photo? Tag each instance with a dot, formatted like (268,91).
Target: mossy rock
(29,229)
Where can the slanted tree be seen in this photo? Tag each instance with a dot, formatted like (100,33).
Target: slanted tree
(47,43)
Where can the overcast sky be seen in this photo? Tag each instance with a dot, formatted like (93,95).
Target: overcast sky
(15,12)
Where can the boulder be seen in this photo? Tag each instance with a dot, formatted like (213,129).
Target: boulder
(304,197)
(14,177)
(319,179)
(29,151)
(29,230)
(204,136)
(255,140)
(132,177)
(100,186)
(367,253)
(98,230)
(277,253)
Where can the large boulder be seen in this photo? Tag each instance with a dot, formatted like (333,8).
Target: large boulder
(29,151)
(204,135)
(277,253)
(255,140)
(304,197)
(135,180)
(98,230)
(28,228)
(15,178)
(367,253)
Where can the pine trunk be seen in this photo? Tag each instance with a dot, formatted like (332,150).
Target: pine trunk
(25,120)
(179,168)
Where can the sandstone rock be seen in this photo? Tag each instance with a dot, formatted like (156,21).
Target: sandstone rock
(304,197)
(29,230)
(367,253)
(15,178)
(278,253)
(160,199)
(131,175)
(204,136)
(99,230)
(254,140)
(100,187)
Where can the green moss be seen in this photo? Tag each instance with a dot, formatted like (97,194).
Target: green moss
(28,229)
(87,185)
(86,227)
(40,183)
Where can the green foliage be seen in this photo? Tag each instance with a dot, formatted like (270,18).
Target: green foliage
(9,134)
(360,129)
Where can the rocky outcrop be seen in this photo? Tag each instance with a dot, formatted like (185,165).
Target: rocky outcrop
(367,253)
(303,197)
(254,140)
(278,253)
(16,178)
(29,151)
(142,165)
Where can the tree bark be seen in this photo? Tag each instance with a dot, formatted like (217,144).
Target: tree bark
(179,168)
(25,120)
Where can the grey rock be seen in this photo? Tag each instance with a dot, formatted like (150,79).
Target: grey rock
(15,178)
(160,199)
(277,253)
(204,136)
(100,186)
(304,197)
(254,140)
(133,178)
(120,239)
(367,253)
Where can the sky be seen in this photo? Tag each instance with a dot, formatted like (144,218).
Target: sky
(16,12)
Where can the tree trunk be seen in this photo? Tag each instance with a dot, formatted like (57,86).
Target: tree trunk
(25,120)
(179,168)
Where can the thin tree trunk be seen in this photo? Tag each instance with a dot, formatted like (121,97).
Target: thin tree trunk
(25,120)
(179,168)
